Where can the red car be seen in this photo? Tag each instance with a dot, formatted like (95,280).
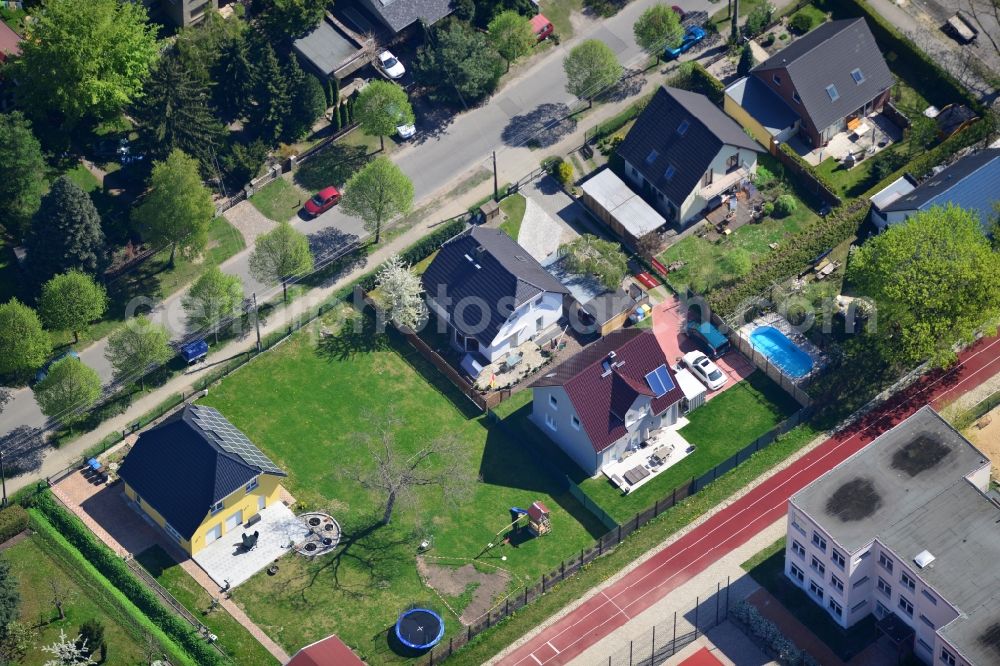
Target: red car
(323,201)
(541,26)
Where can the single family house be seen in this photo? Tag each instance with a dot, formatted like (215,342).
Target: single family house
(397,15)
(198,477)
(683,152)
(815,87)
(972,182)
(492,294)
(607,399)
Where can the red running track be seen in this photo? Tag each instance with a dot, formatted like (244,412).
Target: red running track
(616,604)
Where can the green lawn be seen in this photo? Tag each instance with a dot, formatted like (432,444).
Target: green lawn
(37,572)
(309,405)
(513,207)
(279,200)
(767,568)
(559,12)
(853,182)
(720,428)
(817,15)
(233,637)
(83,178)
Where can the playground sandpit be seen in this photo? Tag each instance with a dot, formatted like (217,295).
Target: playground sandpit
(451,582)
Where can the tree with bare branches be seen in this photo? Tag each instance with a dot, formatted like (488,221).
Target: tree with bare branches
(394,473)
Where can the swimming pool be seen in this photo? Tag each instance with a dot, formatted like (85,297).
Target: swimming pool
(781,351)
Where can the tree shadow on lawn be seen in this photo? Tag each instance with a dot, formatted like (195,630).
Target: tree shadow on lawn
(331,166)
(542,127)
(356,336)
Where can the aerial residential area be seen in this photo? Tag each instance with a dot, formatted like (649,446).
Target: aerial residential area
(507,332)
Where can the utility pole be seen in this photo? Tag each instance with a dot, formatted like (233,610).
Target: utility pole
(496,187)
(3,480)
(256,320)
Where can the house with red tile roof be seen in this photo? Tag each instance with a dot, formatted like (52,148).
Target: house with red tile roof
(10,42)
(330,651)
(608,399)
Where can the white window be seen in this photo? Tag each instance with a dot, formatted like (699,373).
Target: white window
(798,549)
(576,422)
(947,657)
(819,541)
(837,583)
(816,589)
(838,559)
(550,422)
(253,484)
(217,507)
(884,587)
(885,561)
(910,584)
(836,608)
(926,620)
(905,605)
(930,597)
(796,98)
(831,90)
(858,77)
(818,566)
(797,573)
(553,403)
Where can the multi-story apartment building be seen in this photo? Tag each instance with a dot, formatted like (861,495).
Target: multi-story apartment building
(904,529)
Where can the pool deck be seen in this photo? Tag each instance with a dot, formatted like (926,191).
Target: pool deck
(777,321)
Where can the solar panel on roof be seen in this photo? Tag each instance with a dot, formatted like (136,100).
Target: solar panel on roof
(655,384)
(231,440)
(659,381)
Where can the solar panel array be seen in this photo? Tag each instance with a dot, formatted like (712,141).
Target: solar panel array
(659,381)
(231,440)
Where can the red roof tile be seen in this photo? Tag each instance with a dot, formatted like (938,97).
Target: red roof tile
(330,651)
(10,42)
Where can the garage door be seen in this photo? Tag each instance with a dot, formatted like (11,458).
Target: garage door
(233,521)
(213,534)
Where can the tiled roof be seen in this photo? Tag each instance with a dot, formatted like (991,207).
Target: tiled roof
(601,399)
(10,42)
(398,14)
(330,651)
(181,468)
(657,143)
(827,56)
(485,269)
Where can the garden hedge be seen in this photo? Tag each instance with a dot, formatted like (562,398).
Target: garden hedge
(799,251)
(118,574)
(694,77)
(13,521)
(820,178)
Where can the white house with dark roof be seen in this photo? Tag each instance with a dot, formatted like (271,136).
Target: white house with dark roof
(904,530)
(683,151)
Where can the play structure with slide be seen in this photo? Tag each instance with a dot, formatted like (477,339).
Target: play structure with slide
(537,525)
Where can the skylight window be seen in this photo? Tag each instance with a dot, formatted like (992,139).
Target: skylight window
(669,173)
(831,90)
(683,127)
(858,77)
(652,157)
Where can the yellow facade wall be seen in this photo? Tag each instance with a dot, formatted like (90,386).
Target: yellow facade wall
(740,115)
(248,502)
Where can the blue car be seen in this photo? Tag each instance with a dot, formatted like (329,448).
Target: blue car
(43,372)
(692,36)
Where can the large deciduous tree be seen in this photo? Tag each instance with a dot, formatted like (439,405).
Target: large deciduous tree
(69,388)
(70,301)
(935,281)
(377,193)
(24,346)
(279,255)
(200,46)
(291,19)
(135,347)
(589,254)
(22,172)
(214,298)
(65,233)
(511,35)
(400,293)
(462,66)
(174,114)
(657,29)
(590,68)
(381,107)
(85,59)
(178,209)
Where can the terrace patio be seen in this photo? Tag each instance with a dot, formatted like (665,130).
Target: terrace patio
(870,135)
(664,449)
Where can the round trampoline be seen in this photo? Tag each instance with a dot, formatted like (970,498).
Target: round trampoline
(419,628)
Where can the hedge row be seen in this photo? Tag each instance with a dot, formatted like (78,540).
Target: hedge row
(820,178)
(823,234)
(118,574)
(930,78)
(694,77)
(13,521)
(111,600)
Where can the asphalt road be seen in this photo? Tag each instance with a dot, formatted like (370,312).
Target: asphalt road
(437,157)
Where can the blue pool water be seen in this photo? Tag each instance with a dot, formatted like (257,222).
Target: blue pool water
(781,351)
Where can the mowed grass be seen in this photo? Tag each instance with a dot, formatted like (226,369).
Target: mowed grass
(858,179)
(37,572)
(513,208)
(718,429)
(310,405)
(279,200)
(233,637)
(559,12)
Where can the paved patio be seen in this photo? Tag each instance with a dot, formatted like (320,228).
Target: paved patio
(665,443)
(227,560)
(863,142)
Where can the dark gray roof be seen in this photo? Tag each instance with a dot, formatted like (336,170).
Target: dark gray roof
(972,182)
(654,145)
(189,462)
(897,474)
(397,14)
(763,104)
(976,632)
(485,269)
(827,56)
(326,48)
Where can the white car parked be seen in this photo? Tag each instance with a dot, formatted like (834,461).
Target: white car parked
(406,131)
(707,371)
(390,65)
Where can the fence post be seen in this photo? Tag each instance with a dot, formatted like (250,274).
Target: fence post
(697,602)
(562,570)
(630,653)
(652,652)
(506,607)
(718,589)
(673,643)
(431,660)
(656,508)
(619,534)
(526,595)
(543,583)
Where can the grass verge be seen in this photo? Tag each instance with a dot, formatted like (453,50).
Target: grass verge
(279,200)
(513,208)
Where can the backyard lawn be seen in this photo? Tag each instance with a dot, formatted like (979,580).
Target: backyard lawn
(720,428)
(857,180)
(279,200)
(233,637)
(309,405)
(37,572)
(767,568)
(513,207)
